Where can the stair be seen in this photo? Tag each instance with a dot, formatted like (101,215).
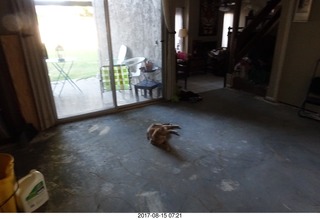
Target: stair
(256,41)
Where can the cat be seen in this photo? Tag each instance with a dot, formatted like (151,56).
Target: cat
(159,133)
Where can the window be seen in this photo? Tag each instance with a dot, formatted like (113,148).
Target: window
(63,2)
(227,22)
(178,26)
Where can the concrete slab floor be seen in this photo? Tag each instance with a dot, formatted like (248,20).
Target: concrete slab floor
(235,153)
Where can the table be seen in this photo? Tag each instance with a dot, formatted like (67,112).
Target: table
(64,67)
(147,86)
(149,83)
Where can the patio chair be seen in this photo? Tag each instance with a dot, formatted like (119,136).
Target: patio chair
(134,65)
(121,78)
(122,53)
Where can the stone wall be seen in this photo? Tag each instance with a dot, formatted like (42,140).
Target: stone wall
(136,24)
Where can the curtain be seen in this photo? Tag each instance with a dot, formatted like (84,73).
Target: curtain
(168,8)
(26,20)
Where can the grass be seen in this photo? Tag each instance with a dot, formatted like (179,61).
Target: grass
(85,65)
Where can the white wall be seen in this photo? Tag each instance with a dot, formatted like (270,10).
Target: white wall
(303,50)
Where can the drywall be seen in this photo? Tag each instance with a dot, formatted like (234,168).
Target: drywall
(303,50)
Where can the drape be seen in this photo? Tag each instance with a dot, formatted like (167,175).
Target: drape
(168,8)
(27,25)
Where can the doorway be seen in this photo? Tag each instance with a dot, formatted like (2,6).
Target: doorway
(83,40)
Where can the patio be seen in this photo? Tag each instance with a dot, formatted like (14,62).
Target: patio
(78,35)
(73,102)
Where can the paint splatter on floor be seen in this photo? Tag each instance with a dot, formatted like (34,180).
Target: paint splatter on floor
(228,185)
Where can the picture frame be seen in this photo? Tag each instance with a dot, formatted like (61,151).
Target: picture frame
(208,17)
(302,11)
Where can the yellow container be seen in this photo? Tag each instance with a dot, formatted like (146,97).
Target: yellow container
(7,183)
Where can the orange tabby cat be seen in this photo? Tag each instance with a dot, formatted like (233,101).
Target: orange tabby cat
(159,133)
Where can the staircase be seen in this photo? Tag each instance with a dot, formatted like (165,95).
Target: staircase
(259,27)
(256,37)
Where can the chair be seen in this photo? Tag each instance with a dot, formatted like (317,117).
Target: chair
(182,71)
(134,65)
(121,55)
(135,74)
(121,78)
(312,97)
(149,83)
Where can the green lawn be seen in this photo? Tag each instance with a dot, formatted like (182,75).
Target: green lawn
(86,64)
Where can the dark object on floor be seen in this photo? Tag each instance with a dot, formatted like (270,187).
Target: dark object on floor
(312,97)
(189,96)
(28,133)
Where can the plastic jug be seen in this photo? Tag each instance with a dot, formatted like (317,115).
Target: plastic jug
(32,192)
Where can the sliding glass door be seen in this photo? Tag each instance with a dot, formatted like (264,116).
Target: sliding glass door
(101,54)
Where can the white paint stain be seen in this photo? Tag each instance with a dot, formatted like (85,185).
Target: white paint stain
(185,165)
(105,131)
(93,128)
(193,177)
(228,185)
(153,201)
(176,170)
(107,188)
(286,206)
(216,170)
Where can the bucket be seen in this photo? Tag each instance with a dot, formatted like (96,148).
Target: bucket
(7,184)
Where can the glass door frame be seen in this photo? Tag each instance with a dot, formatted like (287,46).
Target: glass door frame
(116,107)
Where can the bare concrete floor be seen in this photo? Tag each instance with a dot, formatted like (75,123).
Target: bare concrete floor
(199,83)
(235,153)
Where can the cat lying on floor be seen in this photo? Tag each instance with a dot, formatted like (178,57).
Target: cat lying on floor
(159,133)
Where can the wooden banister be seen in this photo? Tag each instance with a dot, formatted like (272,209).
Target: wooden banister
(257,21)
(251,42)
(242,42)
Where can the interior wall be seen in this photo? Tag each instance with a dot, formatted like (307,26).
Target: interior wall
(303,46)
(193,22)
